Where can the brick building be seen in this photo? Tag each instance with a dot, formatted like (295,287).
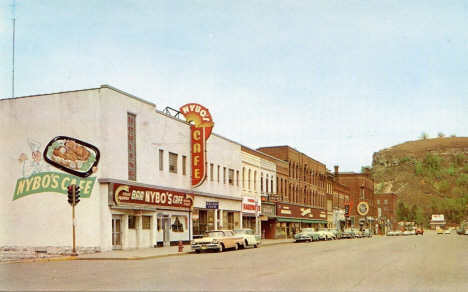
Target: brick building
(386,207)
(361,198)
(304,191)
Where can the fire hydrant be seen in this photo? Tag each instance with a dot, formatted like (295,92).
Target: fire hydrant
(181,246)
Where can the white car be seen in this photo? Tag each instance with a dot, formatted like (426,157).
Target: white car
(249,237)
(447,231)
(326,234)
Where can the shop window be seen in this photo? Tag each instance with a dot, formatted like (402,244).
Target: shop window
(146,222)
(172,162)
(131,222)
(178,223)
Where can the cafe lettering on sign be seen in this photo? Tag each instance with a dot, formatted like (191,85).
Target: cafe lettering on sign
(136,195)
(200,132)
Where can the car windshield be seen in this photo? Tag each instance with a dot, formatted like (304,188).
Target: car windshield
(213,234)
(307,230)
(242,231)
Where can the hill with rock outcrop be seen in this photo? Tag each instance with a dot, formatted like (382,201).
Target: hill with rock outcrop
(429,173)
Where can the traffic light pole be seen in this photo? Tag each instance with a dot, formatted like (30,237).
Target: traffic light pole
(73,218)
(74,246)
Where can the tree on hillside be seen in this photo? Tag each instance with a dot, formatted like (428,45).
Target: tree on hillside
(424,135)
(402,211)
(440,135)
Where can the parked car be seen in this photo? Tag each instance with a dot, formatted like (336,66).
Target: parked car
(307,234)
(217,240)
(348,233)
(338,233)
(466,232)
(406,232)
(440,231)
(367,233)
(419,230)
(249,237)
(391,233)
(357,233)
(326,234)
(448,231)
(398,232)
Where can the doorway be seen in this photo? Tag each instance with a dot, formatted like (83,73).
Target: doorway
(166,225)
(116,232)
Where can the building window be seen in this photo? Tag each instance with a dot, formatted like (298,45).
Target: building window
(250,174)
(161,160)
(378,202)
(243,177)
(231,176)
(145,222)
(224,175)
(219,168)
(266,184)
(237,176)
(131,146)
(255,180)
(131,222)
(184,165)
(362,192)
(172,162)
(386,202)
(178,223)
(261,182)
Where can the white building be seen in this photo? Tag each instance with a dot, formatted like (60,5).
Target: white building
(135,175)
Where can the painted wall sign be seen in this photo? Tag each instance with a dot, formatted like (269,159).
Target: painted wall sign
(54,182)
(346,207)
(136,195)
(74,156)
(200,132)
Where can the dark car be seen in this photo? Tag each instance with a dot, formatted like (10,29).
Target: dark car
(419,230)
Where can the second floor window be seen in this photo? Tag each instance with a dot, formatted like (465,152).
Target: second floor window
(173,162)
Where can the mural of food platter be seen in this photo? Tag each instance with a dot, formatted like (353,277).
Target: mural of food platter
(72,155)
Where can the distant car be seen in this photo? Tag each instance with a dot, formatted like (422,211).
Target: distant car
(406,232)
(217,240)
(412,232)
(307,234)
(250,239)
(447,231)
(337,232)
(466,232)
(357,233)
(398,232)
(391,233)
(348,233)
(367,233)
(327,234)
(419,230)
(440,231)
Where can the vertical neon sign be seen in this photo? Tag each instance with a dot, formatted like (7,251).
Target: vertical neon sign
(200,131)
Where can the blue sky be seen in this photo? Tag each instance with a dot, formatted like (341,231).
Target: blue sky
(336,80)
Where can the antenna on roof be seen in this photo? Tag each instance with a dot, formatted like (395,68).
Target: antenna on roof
(13,12)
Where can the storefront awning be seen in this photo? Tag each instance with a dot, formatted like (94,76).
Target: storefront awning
(297,220)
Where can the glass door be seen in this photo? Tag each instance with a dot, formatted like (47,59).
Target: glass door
(116,232)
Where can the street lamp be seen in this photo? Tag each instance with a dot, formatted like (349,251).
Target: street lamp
(256,216)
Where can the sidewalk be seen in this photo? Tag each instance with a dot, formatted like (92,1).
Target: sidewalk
(157,252)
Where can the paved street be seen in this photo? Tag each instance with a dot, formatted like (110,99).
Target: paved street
(412,263)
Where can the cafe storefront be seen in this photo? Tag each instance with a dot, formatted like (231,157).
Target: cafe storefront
(146,216)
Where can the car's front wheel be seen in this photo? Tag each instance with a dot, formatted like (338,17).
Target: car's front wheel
(237,246)
(221,247)
(197,251)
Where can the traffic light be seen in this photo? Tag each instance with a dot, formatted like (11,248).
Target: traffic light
(70,194)
(77,194)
